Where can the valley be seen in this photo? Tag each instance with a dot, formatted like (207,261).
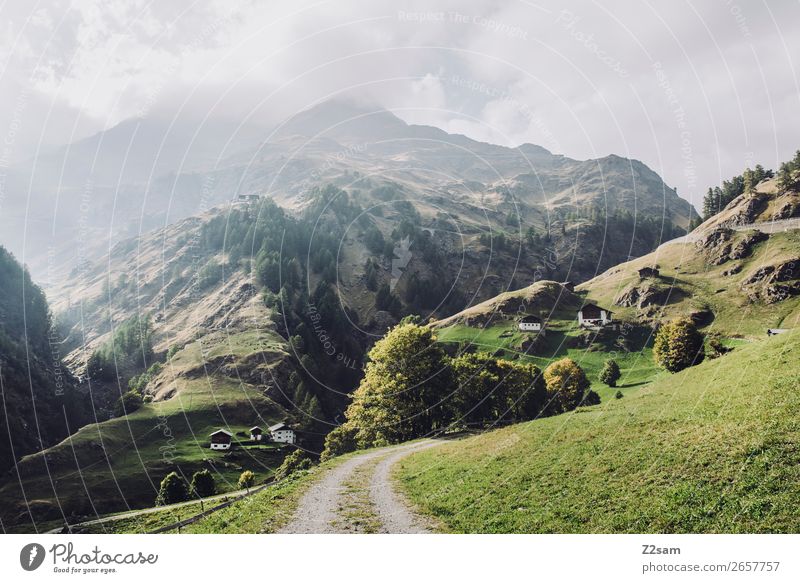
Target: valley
(273,304)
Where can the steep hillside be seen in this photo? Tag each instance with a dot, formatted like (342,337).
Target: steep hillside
(117,464)
(492,326)
(710,449)
(735,281)
(39,402)
(117,184)
(224,376)
(765,204)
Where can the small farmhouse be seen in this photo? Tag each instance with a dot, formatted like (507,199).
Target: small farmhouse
(592,316)
(221,439)
(256,434)
(282,433)
(247,198)
(530,324)
(776,331)
(646,272)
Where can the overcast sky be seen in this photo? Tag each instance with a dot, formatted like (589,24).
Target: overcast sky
(697,90)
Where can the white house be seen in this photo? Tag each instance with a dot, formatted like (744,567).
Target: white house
(256,434)
(590,316)
(530,324)
(282,433)
(247,198)
(221,439)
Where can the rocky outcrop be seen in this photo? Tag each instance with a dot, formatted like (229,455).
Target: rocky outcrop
(774,283)
(733,270)
(647,294)
(744,248)
(746,210)
(788,208)
(716,245)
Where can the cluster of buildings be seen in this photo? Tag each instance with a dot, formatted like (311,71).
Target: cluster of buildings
(278,433)
(589,316)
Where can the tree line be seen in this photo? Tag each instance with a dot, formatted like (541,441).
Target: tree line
(411,389)
(718,197)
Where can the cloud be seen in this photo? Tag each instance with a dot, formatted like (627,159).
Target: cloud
(584,79)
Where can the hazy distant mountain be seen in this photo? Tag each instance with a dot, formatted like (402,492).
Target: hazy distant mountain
(147,173)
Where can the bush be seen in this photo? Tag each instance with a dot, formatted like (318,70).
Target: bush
(173,489)
(247,479)
(203,484)
(678,345)
(618,395)
(294,462)
(566,385)
(610,373)
(340,441)
(718,347)
(127,404)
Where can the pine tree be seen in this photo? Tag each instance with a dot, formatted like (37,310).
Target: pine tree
(610,373)
(785,177)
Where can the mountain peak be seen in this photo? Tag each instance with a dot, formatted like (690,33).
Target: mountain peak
(344,120)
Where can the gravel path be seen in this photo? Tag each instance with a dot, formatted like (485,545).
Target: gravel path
(320,509)
(392,509)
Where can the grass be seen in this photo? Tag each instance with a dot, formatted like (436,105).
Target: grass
(145,523)
(117,465)
(684,267)
(504,339)
(711,449)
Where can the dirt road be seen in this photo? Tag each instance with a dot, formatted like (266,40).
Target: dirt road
(358,496)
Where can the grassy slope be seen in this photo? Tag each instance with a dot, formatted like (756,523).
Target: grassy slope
(637,368)
(682,266)
(711,449)
(118,464)
(263,512)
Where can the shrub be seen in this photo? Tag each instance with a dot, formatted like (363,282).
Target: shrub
(203,484)
(610,373)
(247,479)
(678,345)
(618,395)
(339,441)
(295,461)
(173,489)
(718,347)
(566,384)
(127,403)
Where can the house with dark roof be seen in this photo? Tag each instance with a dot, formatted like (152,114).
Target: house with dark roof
(530,324)
(282,433)
(221,439)
(593,316)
